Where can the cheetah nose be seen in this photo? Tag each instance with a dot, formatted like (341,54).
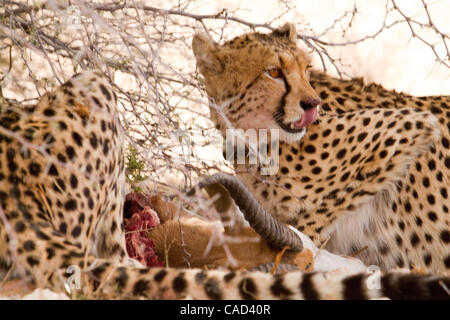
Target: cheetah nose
(309,103)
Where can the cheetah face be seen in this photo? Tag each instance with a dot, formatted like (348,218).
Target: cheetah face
(293,113)
(259,81)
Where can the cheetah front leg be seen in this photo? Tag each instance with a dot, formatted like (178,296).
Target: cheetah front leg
(325,177)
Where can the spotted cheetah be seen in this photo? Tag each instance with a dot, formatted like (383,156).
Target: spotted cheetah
(61,201)
(369,176)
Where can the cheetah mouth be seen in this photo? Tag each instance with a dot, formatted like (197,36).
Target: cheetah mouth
(308,117)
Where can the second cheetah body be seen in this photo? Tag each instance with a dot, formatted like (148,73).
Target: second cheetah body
(370,176)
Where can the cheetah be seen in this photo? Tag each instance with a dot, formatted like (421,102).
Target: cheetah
(362,170)
(61,199)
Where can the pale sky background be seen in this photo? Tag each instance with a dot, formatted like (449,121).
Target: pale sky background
(392,59)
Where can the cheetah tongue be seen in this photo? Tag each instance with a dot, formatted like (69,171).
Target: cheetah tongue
(309,116)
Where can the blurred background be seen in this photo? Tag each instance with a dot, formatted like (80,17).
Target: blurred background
(385,50)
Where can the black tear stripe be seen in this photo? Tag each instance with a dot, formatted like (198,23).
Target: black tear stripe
(308,288)
(280,109)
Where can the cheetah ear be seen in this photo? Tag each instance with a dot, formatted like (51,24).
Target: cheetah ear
(205,52)
(288,31)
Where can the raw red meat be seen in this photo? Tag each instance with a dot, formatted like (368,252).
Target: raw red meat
(139,218)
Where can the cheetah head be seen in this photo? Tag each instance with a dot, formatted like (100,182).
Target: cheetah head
(259,81)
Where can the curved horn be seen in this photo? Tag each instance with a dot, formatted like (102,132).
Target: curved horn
(270,229)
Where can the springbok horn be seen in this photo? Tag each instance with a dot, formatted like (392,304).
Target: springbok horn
(270,229)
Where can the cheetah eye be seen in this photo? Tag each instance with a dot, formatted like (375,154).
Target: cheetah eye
(274,72)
